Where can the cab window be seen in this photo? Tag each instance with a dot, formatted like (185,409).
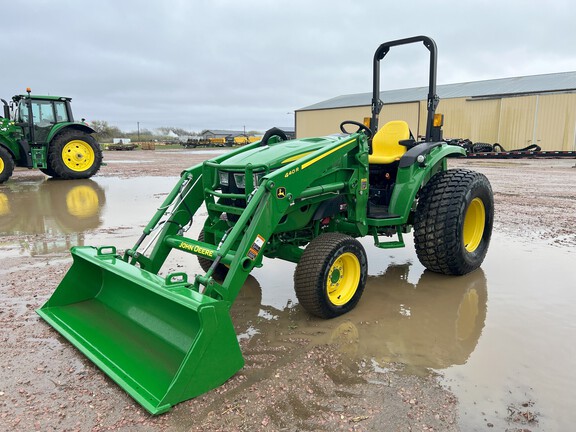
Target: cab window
(61,113)
(22,112)
(43,113)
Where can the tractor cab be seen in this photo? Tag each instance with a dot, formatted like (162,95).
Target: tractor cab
(38,114)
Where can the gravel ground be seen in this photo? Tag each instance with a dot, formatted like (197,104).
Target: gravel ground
(288,383)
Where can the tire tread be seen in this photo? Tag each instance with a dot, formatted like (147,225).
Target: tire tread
(308,277)
(439,219)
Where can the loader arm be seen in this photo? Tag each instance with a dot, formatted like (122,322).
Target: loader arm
(244,245)
(278,191)
(185,199)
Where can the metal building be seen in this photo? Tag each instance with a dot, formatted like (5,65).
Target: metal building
(514,112)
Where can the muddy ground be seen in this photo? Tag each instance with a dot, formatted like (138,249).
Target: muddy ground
(288,383)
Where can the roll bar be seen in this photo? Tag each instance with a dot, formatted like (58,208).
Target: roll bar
(432,96)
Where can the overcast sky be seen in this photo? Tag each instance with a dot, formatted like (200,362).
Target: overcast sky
(230,64)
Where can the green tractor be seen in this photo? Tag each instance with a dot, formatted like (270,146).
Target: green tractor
(167,338)
(40,132)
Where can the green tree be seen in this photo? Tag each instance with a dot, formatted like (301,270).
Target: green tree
(143,135)
(105,132)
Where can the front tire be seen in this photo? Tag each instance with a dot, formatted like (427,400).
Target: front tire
(453,222)
(74,155)
(220,272)
(331,275)
(6,165)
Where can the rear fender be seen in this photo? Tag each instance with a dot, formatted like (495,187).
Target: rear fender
(413,175)
(10,149)
(62,127)
(6,140)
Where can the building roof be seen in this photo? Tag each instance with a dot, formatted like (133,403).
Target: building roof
(555,82)
(222,132)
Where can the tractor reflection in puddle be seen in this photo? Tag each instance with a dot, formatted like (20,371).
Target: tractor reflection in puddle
(50,216)
(434,323)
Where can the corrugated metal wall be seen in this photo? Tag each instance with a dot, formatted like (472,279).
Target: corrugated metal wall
(484,120)
(409,112)
(476,120)
(327,122)
(548,120)
(517,115)
(556,122)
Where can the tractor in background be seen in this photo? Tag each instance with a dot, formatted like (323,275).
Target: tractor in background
(39,132)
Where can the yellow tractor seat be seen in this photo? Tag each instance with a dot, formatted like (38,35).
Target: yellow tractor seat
(385,146)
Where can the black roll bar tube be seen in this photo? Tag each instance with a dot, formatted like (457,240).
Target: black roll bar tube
(433,98)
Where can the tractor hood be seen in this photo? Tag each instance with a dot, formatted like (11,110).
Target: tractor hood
(7,125)
(277,154)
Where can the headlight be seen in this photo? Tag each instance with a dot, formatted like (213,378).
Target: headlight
(223,176)
(258,177)
(240,179)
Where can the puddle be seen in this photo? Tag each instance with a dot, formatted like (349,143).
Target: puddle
(500,337)
(128,161)
(526,352)
(425,322)
(44,207)
(42,217)
(204,152)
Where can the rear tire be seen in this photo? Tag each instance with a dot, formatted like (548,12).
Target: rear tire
(6,165)
(49,172)
(453,222)
(74,155)
(331,275)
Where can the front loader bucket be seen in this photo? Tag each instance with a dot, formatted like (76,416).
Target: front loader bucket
(160,341)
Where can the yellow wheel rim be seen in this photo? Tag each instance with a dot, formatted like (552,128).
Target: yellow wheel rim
(4,204)
(82,202)
(1,165)
(474,222)
(78,155)
(468,312)
(343,279)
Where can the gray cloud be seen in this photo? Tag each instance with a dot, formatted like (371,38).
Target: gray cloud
(229,64)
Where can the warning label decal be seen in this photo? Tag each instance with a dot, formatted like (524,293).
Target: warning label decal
(256,246)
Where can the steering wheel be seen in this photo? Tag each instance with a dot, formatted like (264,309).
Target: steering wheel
(361,127)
